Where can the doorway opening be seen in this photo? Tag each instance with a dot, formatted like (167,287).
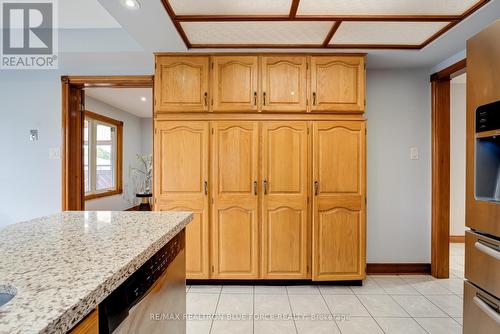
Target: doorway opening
(107,132)
(445,128)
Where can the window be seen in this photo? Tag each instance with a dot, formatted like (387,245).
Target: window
(102,155)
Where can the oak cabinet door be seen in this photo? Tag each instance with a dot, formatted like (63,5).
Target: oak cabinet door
(181,183)
(235,225)
(338,84)
(284,84)
(181,84)
(285,216)
(339,200)
(234,83)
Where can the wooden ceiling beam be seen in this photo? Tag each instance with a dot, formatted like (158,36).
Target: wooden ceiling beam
(293,9)
(330,34)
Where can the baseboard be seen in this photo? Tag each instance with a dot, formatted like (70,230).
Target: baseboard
(398,268)
(134,208)
(455,239)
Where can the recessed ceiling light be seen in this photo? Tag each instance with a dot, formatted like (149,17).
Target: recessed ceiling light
(143,99)
(131,4)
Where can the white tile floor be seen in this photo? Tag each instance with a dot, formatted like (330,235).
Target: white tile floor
(384,304)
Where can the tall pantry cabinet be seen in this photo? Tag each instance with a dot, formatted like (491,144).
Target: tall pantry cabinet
(268,152)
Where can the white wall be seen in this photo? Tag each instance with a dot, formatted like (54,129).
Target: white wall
(457,158)
(399,189)
(147,135)
(133,142)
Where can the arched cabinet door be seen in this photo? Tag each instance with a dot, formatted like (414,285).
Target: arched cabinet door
(181,84)
(285,214)
(284,84)
(234,83)
(338,84)
(235,191)
(181,183)
(339,200)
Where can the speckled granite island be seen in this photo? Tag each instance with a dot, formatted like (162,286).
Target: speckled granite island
(63,266)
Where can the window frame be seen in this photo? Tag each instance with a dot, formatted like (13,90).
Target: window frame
(118,156)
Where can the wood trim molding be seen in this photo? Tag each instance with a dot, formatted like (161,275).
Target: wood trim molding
(398,268)
(292,16)
(330,34)
(457,239)
(72,191)
(119,156)
(450,71)
(134,208)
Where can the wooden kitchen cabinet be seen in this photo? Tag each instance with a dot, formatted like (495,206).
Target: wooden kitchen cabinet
(339,200)
(181,183)
(338,84)
(89,324)
(285,216)
(234,83)
(235,221)
(181,84)
(284,83)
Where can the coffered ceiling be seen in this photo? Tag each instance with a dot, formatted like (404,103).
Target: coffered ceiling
(367,24)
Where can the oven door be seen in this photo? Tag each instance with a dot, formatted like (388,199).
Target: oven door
(163,307)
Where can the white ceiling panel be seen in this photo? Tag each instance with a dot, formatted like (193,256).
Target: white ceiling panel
(385,33)
(231,7)
(383,7)
(135,101)
(257,33)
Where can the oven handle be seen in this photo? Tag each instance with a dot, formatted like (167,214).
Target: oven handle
(483,306)
(487,249)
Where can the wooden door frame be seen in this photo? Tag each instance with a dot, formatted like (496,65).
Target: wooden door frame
(72,129)
(440,231)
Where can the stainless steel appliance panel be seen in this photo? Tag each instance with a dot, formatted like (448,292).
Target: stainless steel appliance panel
(480,311)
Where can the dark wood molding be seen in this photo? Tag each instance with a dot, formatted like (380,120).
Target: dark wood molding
(293,9)
(450,71)
(330,34)
(440,178)
(134,208)
(457,239)
(73,197)
(398,268)
(292,16)
(440,212)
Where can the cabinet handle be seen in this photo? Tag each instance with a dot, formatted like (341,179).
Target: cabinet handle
(316,185)
(206,98)
(255,188)
(254,98)
(486,308)
(314,98)
(265,187)
(264,98)
(205,185)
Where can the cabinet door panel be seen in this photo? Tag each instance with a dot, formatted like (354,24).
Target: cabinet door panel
(284,83)
(234,83)
(181,172)
(181,84)
(235,148)
(338,84)
(339,200)
(284,201)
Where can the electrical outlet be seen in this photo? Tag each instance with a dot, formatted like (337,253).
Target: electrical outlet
(414,154)
(54,153)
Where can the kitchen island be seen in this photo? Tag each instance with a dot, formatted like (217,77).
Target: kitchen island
(61,267)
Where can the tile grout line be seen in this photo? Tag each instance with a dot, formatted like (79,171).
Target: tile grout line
(253,311)
(409,312)
(328,307)
(215,312)
(291,309)
(371,315)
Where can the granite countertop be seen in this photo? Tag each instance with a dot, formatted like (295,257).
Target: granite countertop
(64,265)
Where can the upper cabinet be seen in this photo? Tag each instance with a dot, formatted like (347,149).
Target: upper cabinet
(250,83)
(338,84)
(284,83)
(181,84)
(234,83)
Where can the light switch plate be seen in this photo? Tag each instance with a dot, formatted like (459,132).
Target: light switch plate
(414,154)
(33,135)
